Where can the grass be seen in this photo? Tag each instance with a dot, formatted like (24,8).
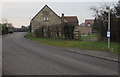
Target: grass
(92,45)
(92,37)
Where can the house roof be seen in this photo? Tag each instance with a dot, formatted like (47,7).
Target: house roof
(89,21)
(42,9)
(71,18)
(82,24)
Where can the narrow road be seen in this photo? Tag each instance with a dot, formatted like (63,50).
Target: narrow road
(0,55)
(25,57)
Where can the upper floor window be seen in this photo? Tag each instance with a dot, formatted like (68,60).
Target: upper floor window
(45,18)
(45,15)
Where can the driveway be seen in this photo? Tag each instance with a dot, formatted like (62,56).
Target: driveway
(25,57)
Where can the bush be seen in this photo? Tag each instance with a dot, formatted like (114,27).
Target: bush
(53,31)
(68,31)
(37,32)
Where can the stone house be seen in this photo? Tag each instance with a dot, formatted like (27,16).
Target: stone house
(47,17)
(85,28)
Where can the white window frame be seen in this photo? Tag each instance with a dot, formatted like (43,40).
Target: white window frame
(45,18)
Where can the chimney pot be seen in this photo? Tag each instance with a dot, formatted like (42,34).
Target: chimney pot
(62,15)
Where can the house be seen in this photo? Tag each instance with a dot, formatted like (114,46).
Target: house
(47,17)
(82,24)
(89,22)
(70,19)
(85,28)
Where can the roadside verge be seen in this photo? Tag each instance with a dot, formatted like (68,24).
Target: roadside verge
(73,46)
(93,53)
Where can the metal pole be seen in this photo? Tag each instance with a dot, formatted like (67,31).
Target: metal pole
(109,29)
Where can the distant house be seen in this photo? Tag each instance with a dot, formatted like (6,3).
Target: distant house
(47,17)
(85,28)
(89,22)
(82,24)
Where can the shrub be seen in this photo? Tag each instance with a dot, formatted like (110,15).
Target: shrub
(68,31)
(37,32)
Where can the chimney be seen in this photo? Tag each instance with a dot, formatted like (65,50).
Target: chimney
(62,18)
(62,15)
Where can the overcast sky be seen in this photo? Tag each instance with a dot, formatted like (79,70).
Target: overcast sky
(20,13)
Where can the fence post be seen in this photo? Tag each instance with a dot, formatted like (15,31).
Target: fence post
(78,35)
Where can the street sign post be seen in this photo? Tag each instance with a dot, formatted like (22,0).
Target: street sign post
(108,32)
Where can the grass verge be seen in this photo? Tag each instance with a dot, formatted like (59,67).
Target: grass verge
(92,45)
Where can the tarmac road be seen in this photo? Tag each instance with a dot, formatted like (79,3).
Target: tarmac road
(25,57)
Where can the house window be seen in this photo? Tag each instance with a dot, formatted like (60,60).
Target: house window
(45,18)
(45,15)
(89,25)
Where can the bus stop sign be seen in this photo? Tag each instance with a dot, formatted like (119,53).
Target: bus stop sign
(108,34)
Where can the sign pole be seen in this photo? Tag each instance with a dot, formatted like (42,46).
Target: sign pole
(109,28)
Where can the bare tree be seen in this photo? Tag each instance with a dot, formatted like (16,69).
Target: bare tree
(101,21)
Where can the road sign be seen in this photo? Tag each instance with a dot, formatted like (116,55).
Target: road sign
(108,33)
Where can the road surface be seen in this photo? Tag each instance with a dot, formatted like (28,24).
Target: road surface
(0,55)
(25,57)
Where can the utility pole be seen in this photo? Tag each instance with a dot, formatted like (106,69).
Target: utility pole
(109,29)
(108,32)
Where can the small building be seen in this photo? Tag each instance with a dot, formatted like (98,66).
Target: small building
(85,28)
